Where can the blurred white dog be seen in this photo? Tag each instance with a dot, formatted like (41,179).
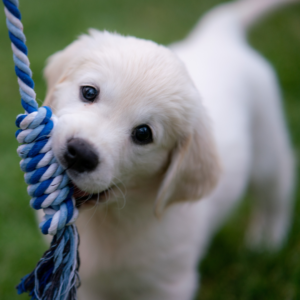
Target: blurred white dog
(145,131)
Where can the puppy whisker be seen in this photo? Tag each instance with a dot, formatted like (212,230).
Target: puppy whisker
(123,196)
(94,208)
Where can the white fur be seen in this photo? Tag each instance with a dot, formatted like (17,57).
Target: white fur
(127,252)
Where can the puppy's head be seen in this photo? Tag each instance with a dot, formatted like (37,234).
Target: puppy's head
(129,118)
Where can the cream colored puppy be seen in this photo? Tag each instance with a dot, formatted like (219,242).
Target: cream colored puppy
(143,135)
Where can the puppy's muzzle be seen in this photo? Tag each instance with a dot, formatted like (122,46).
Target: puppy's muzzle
(80,156)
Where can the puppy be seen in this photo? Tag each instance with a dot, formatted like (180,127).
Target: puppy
(147,131)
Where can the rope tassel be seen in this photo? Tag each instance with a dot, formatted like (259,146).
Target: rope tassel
(56,274)
(57,270)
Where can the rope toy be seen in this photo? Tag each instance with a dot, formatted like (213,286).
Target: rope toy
(56,274)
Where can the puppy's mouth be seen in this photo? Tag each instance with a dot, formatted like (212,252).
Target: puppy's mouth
(83,198)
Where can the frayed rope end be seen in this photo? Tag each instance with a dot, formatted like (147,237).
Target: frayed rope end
(56,274)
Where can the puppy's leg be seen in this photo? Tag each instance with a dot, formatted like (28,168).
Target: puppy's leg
(273,168)
(272,213)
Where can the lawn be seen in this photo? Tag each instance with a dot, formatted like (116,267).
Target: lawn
(230,271)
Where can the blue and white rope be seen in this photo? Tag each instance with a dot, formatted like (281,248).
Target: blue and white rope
(48,182)
(56,274)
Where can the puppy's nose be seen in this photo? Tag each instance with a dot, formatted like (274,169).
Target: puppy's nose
(80,156)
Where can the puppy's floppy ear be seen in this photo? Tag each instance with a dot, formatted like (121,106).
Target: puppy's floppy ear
(193,169)
(57,66)
(53,73)
(60,62)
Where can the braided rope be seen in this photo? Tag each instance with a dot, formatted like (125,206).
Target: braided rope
(56,274)
(48,182)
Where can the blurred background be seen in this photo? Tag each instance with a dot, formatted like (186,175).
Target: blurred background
(230,271)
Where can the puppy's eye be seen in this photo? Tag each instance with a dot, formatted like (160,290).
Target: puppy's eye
(89,93)
(142,135)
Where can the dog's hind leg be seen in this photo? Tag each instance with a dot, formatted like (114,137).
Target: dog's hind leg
(272,167)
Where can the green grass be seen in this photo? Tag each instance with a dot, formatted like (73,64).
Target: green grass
(229,271)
